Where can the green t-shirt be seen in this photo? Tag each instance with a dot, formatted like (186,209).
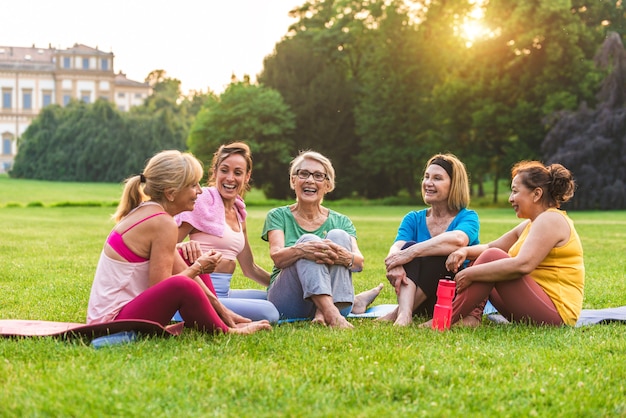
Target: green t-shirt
(282,219)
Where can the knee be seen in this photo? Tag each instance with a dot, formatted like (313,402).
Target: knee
(308,238)
(183,286)
(491,254)
(339,236)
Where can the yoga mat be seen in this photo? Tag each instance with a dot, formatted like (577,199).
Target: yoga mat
(35,328)
(601,316)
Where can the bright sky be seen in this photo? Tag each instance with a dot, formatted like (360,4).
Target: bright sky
(199,42)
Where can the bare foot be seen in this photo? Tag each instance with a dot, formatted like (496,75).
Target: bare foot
(391,316)
(250,327)
(364,299)
(404,319)
(469,322)
(339,322)
(427,324)
(319,318)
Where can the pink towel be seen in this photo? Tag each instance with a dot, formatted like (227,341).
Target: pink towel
(208,213)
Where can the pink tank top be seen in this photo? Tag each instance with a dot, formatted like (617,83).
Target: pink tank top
(230,244)
(116,242)
(117,282)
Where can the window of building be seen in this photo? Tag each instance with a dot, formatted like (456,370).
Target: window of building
(85,63)
(66,99)
(6,146)
(67,62)
(46,98)
(85,96)
(6,99)
(138,95)
(121,95)
(7,166)
(27,99)
(121,108)
(104,64)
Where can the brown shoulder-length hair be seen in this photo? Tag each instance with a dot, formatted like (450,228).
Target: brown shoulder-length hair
(459,196)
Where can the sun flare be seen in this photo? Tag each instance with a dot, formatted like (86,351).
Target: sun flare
(473,27)
(473,30)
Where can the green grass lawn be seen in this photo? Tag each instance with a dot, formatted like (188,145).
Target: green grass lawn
(48,256)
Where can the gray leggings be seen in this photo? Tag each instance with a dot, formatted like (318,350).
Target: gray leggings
(293,287)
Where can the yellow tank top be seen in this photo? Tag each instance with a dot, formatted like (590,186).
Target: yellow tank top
(561,274)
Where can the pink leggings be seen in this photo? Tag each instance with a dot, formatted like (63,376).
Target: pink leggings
(177,293)
(517,300)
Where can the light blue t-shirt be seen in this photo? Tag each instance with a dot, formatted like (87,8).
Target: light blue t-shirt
(414,228)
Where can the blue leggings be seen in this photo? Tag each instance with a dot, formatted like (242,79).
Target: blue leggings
(250,303)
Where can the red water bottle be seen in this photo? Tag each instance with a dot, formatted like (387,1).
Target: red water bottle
(442,315)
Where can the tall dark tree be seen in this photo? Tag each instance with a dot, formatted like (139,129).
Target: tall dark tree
(322,98)
(592,142)
(257,115)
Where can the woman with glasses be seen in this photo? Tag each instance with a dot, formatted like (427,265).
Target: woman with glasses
(417,259)
(218,222)
(314,250)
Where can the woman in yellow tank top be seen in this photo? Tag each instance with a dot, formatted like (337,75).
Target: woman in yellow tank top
(535,272)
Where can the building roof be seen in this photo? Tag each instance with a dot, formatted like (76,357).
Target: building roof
(24,58)
(80,49)
(121,80)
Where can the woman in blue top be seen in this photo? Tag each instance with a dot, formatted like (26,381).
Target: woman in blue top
(416,260)
(314,250)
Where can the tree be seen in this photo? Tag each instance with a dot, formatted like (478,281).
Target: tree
(94,142)
(257,115)
(592,142)
(533,63)
(395,112)
(322,100)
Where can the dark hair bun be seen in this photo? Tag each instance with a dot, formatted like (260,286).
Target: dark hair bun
(562,184)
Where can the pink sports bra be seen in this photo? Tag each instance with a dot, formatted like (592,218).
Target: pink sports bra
(116,242)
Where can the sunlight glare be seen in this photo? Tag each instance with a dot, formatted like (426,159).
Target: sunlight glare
(472,27)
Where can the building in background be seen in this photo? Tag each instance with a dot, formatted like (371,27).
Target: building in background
(33,78)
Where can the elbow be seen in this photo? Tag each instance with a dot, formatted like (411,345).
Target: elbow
(525,268)
(460,239)
(278,263)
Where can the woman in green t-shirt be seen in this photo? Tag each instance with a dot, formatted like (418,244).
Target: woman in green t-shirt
(314,250)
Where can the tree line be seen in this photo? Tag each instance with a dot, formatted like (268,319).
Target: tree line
(379,86)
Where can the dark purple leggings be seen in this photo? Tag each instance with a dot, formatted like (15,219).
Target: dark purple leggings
(517,300)
(160,302)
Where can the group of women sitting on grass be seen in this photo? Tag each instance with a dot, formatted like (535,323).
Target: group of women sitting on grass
(176,245)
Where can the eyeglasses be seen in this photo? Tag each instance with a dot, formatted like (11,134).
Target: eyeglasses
(317,176)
